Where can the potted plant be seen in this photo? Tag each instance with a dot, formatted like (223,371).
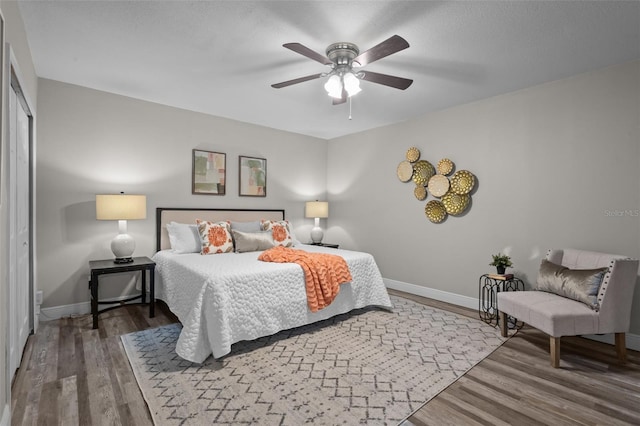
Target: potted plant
(501,262)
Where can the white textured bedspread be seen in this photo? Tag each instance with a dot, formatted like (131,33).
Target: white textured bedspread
(225,298)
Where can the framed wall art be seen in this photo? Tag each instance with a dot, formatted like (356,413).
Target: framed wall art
(253,176)
(209,173)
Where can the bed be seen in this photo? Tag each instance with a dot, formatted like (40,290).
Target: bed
(225,298)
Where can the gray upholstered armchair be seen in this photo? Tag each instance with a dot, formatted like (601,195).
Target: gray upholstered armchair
(607,309)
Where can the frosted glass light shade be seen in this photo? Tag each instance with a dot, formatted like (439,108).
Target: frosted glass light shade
(315,209)
(351,84)
(333,86)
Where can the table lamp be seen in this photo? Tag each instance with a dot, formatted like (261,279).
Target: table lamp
(316,209)
(121,207)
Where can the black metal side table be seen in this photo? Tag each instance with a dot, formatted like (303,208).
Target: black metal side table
(489,285)
(101,267)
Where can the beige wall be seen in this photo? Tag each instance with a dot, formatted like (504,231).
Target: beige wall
(92,142)
(554,163)
(15,36)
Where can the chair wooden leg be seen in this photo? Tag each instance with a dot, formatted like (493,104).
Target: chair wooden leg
(554,346)
(621,347)
(503,324)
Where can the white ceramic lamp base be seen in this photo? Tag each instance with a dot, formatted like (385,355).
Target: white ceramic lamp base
(123,245)
(317,234)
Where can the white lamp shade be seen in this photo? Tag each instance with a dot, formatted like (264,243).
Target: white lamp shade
(121,207)
(316,209)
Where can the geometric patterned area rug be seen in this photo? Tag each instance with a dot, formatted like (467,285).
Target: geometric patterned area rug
(370,366)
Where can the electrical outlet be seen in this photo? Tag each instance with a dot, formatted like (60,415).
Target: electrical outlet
(39,297)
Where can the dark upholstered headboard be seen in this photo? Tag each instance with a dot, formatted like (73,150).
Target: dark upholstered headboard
(165,215)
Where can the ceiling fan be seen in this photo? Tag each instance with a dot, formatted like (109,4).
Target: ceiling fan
(343,57)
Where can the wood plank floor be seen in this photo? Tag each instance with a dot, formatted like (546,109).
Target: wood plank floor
(74,375)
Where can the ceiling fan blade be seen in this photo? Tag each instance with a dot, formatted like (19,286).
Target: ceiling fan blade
(296,81)
(389,46)
(305,51)
(341,100)
(387,80)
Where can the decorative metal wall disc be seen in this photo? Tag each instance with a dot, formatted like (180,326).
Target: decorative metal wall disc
(435,211)
(413,154)
(422,172)
(438,185)
(405,171)
(462,182)
(445,166)
(453,190)
(455,203)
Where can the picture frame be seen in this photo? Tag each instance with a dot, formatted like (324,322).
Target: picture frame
(209,172)
(252,176)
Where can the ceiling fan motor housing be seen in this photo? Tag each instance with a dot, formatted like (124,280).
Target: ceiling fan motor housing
(342,53)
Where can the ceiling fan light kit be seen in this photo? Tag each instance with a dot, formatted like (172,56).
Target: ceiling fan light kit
(343,81)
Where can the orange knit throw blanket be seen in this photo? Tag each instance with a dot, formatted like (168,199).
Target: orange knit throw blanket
(323,273)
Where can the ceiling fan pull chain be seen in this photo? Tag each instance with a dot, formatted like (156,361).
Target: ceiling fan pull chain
(350,107)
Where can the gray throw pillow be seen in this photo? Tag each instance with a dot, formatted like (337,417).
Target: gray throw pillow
(577,284)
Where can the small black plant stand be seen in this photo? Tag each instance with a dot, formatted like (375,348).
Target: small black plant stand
(489,285)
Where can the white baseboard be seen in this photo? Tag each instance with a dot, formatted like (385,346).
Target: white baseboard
(632,340)
(56,312)
(5,420)
(432,293)
(82,308)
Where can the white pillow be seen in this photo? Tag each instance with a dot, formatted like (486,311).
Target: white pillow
(184,238)
(296,242)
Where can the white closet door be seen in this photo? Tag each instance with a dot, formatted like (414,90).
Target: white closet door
(19,258)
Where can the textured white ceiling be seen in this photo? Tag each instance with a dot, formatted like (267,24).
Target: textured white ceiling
(220,57)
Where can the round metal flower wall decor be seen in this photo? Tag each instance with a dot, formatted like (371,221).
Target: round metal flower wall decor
(453,191)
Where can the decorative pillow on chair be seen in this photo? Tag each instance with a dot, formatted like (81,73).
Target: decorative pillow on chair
(252,241)
(280,231)
(184,238)
(577,284)
(215,237)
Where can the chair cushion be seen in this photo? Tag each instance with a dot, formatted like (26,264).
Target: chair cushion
(553,314)
(577,284)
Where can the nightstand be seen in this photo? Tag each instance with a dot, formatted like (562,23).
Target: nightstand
(102,267)
(325,245)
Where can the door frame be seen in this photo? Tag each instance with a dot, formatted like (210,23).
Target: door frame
(23,97)
(12,76)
